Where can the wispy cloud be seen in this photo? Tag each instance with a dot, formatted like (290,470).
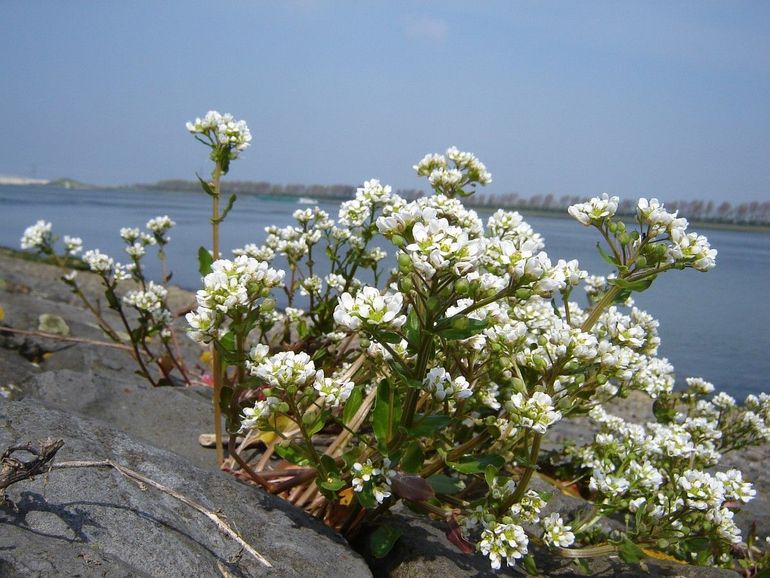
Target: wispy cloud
(424,28)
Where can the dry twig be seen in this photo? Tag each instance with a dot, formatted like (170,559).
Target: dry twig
(14,470)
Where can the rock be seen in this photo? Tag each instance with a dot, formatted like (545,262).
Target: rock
(95,522)
(90,380)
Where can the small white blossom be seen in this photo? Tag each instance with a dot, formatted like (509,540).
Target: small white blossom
(556,533)
(503,541)
(37,236)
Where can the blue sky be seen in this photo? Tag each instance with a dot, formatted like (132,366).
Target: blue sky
(667,99)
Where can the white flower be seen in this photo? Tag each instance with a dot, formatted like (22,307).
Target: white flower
(335,281)
(703,491)
(332,391)
(222,130)
(37,236)
(377,479)
(723,401)
(151,300)
(535,413)
(72,245)
(503,541)
(595,210)
(442,386)
(734,486)
(159,226)
(98,261)
(286,370)
(129,234)
(370,309)
(612,486)
(556,533)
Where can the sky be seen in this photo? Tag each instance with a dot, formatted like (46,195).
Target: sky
(663,99)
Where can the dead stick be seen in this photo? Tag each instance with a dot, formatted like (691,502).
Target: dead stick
(65,338)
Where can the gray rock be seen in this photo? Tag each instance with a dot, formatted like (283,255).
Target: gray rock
(95,522)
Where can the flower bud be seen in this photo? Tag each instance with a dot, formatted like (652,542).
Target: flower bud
(404,263)
(523,294)
(462,287)
(267,305)
(398,241)
(405,284)
(641,261)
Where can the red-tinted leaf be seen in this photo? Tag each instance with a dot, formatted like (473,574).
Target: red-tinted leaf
(455,535)
(412,487)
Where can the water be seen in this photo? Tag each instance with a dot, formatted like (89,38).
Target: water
(714,325)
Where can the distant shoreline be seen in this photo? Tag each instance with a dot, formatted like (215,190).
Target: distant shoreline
(292,196)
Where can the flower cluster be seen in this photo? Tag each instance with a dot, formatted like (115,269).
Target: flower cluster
(449,173)
(443,387)
(159,226)
(151,302)
(368,478)
(657,471)
(536,413)
(503,541)
(370,310)
(37,236)
(222,131)
(105,265)
(230,291)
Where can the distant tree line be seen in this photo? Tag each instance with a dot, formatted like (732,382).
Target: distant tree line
(749,213)
(263,188)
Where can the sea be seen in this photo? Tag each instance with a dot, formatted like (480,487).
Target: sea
(714,325)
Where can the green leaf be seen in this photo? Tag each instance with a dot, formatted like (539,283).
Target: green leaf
(490,474)
(476,465)
(385,415)
(204,261)
(412,329)
(637,286)
(443,484)
(427,426)
(293,453)
(317,424)
(630,552)
(382,540)
(206,186)
(388,337)
(461,327)
(330,464)
(608,258)
(351,406)
(230,202)
(333,482)
(528,562)
(413,457)
(112,300)
(366,498)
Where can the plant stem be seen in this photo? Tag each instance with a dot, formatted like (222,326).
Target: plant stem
(216,359)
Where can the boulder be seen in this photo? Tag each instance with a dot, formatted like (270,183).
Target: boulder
(96,522)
